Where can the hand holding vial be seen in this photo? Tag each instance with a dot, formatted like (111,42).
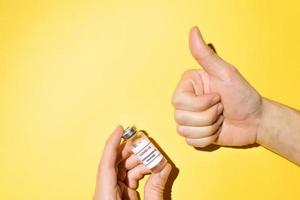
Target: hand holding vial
(141,146)
(120,170)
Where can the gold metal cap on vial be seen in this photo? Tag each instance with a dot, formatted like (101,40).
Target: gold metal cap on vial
(129,132)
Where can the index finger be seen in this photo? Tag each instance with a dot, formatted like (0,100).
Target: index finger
(124,152)
(110,153)
(190,83)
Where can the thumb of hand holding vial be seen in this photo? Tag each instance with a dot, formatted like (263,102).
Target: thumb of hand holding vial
(144,149)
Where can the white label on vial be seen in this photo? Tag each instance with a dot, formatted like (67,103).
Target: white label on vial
(148,153)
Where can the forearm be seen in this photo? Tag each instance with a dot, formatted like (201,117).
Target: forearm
(279,130)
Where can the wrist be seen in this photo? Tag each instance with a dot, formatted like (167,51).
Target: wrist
(263,130)
(154,197)
(278,130)
(153,194)
(270,122)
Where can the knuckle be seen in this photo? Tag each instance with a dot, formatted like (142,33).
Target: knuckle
(179,118)
(204,102)
(211,116)
(129,175)
(176,100)
(210,129)
(180,130)
(203,144)
(229,73)
(189,142)
(232,69)
(139,176)
(206,56)
(210,119)
(189,72)
(200,105)
(214,128)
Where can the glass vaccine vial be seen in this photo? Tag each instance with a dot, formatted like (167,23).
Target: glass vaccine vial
(141,146)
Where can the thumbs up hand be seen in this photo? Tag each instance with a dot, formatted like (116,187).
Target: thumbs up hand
(216,104)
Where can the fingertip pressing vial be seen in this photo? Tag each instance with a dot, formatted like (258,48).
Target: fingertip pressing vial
(144,149)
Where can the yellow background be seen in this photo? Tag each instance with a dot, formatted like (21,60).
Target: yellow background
(70,71)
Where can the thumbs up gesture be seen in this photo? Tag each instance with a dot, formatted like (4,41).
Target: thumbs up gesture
(216,104)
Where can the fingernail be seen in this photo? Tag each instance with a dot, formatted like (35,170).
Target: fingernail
(197,29)
(212,47)
(220,108)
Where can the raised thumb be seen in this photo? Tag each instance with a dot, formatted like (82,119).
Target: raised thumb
(205,56)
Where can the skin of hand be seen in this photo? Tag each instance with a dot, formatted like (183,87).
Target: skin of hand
(120,171)
(217,105)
